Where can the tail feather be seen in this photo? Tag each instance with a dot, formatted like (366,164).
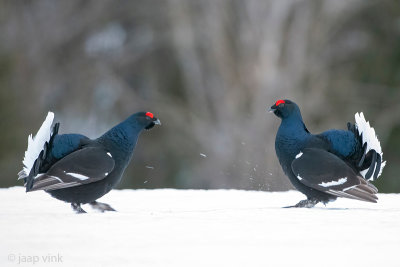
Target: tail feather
(368,133)
(368,136)
(41,161)
(35,145)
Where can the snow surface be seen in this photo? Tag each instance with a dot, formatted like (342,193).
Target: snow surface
(198,228)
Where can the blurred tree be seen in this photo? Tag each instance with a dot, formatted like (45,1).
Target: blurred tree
(208,69)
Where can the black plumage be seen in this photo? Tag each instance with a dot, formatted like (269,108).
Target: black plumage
(335,163)
(79,170)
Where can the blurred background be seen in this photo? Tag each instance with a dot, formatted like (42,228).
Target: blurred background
(209,70)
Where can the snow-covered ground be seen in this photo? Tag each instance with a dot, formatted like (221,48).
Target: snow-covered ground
(198,228)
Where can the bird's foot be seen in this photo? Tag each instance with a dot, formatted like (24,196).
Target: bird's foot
(307,203)
(101,206)
(77,208)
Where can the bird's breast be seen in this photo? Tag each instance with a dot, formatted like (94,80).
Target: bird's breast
(286,150)
(287,146)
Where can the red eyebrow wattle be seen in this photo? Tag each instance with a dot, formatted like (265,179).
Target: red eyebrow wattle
(279,102)
(149,114)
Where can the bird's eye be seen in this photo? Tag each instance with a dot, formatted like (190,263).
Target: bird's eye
(281,105)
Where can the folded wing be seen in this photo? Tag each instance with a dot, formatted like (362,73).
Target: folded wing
(84,166)
(326,172)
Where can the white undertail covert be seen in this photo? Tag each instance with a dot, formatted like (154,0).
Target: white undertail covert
(36,144)
(369,137)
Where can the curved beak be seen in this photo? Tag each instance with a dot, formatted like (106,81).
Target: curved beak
(272,108)
(157,121)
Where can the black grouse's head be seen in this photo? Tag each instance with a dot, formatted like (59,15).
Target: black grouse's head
(147,120)
(285,109)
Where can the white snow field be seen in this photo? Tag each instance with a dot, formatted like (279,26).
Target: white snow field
(198,228)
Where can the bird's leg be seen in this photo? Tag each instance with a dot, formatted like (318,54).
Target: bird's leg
(101,206)
(77,208)
(307,203)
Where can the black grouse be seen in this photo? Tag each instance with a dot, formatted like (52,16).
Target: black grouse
(335,163)
(79,170)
